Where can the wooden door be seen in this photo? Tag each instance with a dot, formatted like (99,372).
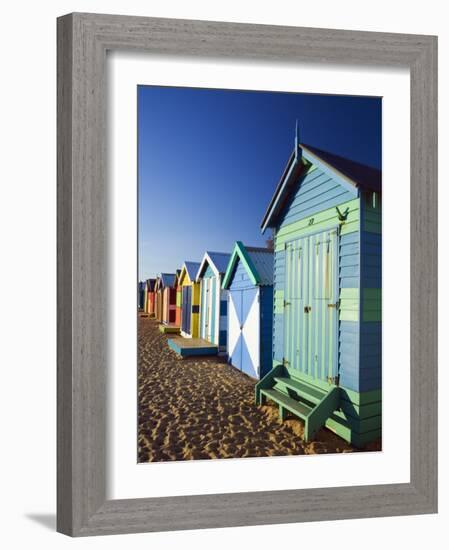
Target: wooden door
(186,308)
(310,305)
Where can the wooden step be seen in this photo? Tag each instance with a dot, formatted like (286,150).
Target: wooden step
(314,416)
(314,395)
(296,407)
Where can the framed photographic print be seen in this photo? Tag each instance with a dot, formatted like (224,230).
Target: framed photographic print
(246,274)
(285,312)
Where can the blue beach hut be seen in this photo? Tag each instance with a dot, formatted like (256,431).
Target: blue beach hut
(249,281)
(326,219)
(213,299)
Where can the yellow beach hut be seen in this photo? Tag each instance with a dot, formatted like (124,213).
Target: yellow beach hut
(190,300)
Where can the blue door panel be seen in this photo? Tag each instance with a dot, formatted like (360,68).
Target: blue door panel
(246,364)
(236,358)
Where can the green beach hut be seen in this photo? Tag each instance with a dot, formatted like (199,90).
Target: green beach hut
(325,215)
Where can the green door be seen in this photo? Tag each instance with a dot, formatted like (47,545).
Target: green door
(310,305)
(296,321)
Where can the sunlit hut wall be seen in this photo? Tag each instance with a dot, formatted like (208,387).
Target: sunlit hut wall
(326,218)
(249,281)
(168,298)
(213,299)
(190,300)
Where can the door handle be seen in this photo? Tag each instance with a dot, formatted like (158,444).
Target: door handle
(333,305)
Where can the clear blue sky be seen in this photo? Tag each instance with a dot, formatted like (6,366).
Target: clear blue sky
(209,161)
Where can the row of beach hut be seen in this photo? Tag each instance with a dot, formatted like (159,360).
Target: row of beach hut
(221,305)
(304,317)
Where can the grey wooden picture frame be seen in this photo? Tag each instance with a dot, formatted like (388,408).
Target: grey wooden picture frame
(83,41)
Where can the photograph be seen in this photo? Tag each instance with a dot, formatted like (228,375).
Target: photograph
(259,291)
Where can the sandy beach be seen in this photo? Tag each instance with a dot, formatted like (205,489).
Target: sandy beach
(202,408)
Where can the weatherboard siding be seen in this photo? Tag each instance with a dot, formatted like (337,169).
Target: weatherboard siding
(372,220)
(370,370)
(371,267)
(360,346)
(319,222)
(370,356)
(348,353)
(316,191)
(349,260)
(240,278)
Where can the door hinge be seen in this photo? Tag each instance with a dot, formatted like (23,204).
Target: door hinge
(334,380)
(287,303)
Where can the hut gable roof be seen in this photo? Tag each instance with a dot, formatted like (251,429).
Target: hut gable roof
(189,269)
(348,173)
(258,263)
(218,261)
(192,269)
(177,277)
(167,279)
(150,284)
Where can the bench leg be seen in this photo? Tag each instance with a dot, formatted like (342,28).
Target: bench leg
(307,434)
(282,413)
